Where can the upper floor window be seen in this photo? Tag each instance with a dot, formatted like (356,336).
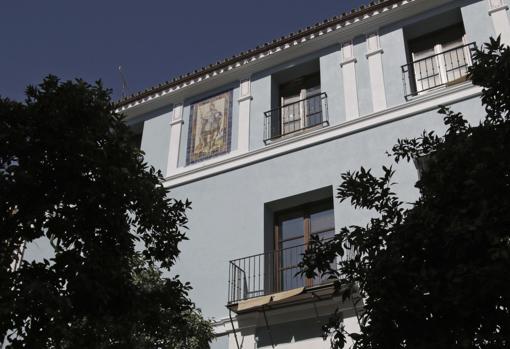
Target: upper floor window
(437,58)
(298,103)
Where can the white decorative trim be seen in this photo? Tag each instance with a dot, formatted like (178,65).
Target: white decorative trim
(347,53)
(496,4)
(371,53)
(426,102)
(347,61)
(243,134)
(373,42)
(241,99)
(350,83)
(375,69)
(497,9)
(347,50)
(177,112)
(250,60)
(500,20)
(175,139)
(245,88)
(174,122)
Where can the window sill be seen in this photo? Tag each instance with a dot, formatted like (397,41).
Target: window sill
(296,133)
(439,89)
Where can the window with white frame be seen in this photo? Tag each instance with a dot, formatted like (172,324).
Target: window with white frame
(438,52)
(299,108)
(297,102)
(438,58)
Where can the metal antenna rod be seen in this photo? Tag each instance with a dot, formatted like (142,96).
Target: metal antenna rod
(125,91)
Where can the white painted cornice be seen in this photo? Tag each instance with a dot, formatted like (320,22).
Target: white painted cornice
(317,40)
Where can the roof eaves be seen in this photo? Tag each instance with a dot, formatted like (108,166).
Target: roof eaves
(244,55)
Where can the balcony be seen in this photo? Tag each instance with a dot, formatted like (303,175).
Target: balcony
(268,273)
(443,69)
(296,117)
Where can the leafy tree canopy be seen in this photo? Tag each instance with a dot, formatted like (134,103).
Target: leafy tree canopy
(71,173)
(436,274)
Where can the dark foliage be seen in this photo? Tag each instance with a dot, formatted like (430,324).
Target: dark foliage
(434,275)
(70,173)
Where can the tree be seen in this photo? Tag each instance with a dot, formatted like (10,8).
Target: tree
(71,173)
(433,275)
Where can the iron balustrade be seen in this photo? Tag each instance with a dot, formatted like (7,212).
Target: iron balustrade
(267,273)
(441,69)
(296,116)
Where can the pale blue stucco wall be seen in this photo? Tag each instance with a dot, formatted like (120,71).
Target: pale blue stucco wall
(261,87)
(477,22)
(227,219)
(156,138)
(393,57)
(331,83)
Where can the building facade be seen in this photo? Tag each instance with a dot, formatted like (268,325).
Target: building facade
(258,141)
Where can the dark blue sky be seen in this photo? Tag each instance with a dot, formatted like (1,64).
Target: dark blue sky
(153,40)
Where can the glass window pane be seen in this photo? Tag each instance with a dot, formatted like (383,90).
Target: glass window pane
(313,109)
(291,228)
(292,243)
(291,253)
(290,280)
(313,90)
(323,220)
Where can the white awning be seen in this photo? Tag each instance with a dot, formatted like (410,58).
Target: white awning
(268,300)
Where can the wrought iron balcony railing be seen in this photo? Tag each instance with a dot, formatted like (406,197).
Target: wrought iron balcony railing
(267,273)
(297,116)
(442,69)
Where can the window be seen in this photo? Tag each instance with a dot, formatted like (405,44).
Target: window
(439,57)
(300,103)
(293,230)
(296,100)
(438,53)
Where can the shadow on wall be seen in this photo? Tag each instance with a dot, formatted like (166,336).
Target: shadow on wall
(290,332)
